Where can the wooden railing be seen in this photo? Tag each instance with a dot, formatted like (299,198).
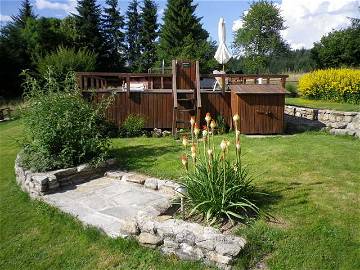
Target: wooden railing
(101,80)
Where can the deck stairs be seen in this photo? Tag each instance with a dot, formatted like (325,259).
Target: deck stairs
(186,96)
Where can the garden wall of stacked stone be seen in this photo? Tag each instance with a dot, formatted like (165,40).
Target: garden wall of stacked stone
(152,227)
(338,123)
(38,184)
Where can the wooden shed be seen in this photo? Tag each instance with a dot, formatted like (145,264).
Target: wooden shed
(261,108)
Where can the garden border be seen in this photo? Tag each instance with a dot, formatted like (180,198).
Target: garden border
(150,227)
(336,122)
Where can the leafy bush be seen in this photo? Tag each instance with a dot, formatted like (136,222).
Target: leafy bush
(222,127)
(61,128)
(216,186)
(292,89)
(339,85)
(132,126)
(64,60)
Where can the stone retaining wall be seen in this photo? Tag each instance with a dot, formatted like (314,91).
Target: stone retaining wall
(338,123)
(151,227)
(186,240)
(38,184)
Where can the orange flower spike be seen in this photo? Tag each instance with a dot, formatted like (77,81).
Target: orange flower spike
(208,118)
(192,121)
(184,161)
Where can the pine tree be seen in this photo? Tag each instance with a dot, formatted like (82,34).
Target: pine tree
(113,24)
(182,32)
(88,22)
(133,25)
(148,35)
(25,12)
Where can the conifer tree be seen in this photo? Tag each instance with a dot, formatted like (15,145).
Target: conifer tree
(182,34)
(113,24)
(25,12)
(88,22)
(133,25)
(148,35)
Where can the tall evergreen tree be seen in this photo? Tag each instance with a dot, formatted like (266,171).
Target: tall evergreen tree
(88,22)
(113,24)
(148,35)
(182,34)
(133,25)
(25,12)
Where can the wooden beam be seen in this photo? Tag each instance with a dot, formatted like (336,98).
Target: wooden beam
(174,83)
(128,86)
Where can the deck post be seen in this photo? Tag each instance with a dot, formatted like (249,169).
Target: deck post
(128,86)
(174,97)
(223,84)
(283,81)
(198,93)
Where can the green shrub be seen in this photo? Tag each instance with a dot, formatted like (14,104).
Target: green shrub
(132,126)
(222,127)
(339,85)
(216,186)
(64,60)
(292,89)
(61,128)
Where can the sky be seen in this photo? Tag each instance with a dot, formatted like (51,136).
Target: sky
(306,20)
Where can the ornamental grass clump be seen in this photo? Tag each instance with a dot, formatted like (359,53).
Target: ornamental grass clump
(218,187)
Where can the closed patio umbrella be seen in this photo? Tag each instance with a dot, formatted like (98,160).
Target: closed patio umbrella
(222,54)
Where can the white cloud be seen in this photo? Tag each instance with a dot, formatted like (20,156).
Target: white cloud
(5,18)
(68,6)
(309,20)
(237,24)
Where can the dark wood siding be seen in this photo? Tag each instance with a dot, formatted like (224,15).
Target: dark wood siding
(259,114)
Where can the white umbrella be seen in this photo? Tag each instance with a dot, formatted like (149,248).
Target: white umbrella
(222,54)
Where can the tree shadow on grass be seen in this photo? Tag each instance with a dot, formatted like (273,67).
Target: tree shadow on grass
(142,157)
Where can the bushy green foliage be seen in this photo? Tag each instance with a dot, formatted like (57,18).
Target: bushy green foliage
(340,48)
(132,126)
(339,85)
(259,38)
(222,127)
(64,60)
(216,186)
(61,128)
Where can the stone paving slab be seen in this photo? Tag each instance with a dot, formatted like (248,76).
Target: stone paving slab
(106,203)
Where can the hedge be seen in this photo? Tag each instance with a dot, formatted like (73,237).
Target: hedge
(339,85)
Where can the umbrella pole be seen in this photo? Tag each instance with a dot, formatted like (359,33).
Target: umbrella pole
(223,67)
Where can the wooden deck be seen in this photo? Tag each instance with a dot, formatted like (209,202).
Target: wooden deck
(157,106)
(163,102)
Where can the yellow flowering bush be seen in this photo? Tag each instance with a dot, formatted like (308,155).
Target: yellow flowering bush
(339,85)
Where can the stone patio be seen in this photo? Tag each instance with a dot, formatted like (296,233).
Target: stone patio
(108,203)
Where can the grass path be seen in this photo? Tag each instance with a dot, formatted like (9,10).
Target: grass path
(314,179)
(322,104)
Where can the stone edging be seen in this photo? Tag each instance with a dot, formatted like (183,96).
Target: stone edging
(186,240)
(337,122)
(38,184)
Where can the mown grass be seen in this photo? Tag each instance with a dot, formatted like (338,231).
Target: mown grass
(322,104)
(314,179)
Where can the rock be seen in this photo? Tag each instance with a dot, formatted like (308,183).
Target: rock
(170,244)
(207,244)
(84,168)
(156,132)
(40,181)
(111,162)
(166,133)
(230,249)
(168,250)
(135,178)
(150,239)
(185,236)
(53,183)
(64,172)
(151,183)
(338,131)
(188,252)
(115,174)
(218,258)
(167,186)
(130,227)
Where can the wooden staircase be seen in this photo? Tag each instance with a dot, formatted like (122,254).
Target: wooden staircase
(186,94)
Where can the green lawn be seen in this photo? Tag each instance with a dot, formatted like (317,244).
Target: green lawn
(314,179)
(322,104)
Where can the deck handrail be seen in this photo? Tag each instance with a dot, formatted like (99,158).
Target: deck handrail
(198,96)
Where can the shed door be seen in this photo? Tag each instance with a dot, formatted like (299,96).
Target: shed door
(261,114)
